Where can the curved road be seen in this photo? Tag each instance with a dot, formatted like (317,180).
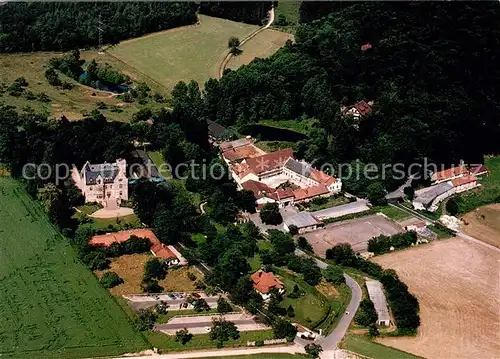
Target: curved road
(330,342)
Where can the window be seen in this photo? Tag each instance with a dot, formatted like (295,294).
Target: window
(121,193)
(91,188)
(120,186)
(98,181)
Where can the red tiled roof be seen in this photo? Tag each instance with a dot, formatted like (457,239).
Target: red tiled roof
(261,190)
(304,193)
(449,173)
(366,47)
(242,152)
(322,177)
(460,181)
(264,163)
(363,107)
(263,282)
(474,170)
(159,249)
(269,161)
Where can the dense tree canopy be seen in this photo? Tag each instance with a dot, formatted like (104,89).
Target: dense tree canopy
(59,26)
(251,12)
(430,72)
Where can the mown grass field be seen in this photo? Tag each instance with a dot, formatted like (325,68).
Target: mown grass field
(70,103)
(203,341)
(51,306)
(262,45)
(182,54)
(364,346)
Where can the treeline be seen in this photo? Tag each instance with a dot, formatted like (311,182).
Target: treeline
(425,104)
(384,244)
(251,12)
(404,305)
(60,26)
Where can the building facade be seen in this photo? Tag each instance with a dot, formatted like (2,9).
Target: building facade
(104,183)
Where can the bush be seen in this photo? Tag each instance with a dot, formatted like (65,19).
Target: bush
(191,276)
(223,306)
(334,274)
(155,268)
(151,286)
(28,95)
(145,320)
(110,280)
(259,343)
(42,97)
(270,214)
(303,244)
(101,105)
(293,229)
(290,312)
(366,315)
(382,244)
(453,206)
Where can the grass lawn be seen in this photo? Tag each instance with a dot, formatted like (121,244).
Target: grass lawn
(89,208)
(331,201)
(203,341)
(198,238)
(51,305)
(70,103)
(262,45)
(181,54)
(393,213)
(490,191)
(159,162)
(113,224)
(271,146)
(131,269)
(164,318)
(440,233)
(300,126)
(290,10)
(310,308)
(364,346)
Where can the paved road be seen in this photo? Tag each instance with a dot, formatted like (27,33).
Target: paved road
(342,210)
(331,341)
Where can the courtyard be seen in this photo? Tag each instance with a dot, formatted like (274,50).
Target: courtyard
(356,232)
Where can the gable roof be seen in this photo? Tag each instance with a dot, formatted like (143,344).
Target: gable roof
(299,167)
(363,107)
(107,171)
(158,249)
(261,190)
(264,282)
(449,173)
(304,193)
(302,220)
(460,181)
(224,146)
(366,46)
(242,152)
(475,170)
(264,163)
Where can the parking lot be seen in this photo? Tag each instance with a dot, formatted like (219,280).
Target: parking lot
(356,232)
(201,324)
(176,301)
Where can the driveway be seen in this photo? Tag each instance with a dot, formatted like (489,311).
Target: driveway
(330,342)
(339,211)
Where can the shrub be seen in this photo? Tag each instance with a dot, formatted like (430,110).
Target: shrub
(145,320)
(155,268)
(101,105)
(270,214)
(293,229)
(42,97)
(110,280)
(183,336)
(151,286)
(303,244)
(334,274)
(259,343)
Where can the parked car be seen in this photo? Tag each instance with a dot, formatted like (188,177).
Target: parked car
(196,295)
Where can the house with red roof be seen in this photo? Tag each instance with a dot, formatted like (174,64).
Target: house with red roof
(359,109)
(449,174)
(479,170)
(265,282)
(168,253)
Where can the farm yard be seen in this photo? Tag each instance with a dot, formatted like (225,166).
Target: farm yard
(50,304)
(70,103)
(456,285)
(263,45)
(483,224)
(182,54)
(356,232)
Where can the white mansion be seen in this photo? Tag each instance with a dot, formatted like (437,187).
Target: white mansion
(104,183)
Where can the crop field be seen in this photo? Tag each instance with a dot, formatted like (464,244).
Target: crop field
(51,306)
(182,54)
(70,103)
(262,45)
(456,282)
(484,224)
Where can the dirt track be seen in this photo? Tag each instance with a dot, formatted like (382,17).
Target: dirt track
(458,286)
(484,224)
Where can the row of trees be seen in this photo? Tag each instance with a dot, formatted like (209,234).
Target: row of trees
(404,305)
(384,244)
(64,26)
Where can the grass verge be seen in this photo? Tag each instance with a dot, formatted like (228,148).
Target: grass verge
(363,345)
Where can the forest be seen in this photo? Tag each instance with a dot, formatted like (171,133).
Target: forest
(430,72)
(60,26)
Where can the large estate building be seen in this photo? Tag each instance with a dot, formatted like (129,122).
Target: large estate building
(276,176)
(104,183)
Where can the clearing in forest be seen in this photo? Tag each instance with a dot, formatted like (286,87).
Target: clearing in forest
(182,54)
(51,305)
(456,282)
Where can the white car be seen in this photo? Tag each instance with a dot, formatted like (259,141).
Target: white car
(347,313)
(208,329)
